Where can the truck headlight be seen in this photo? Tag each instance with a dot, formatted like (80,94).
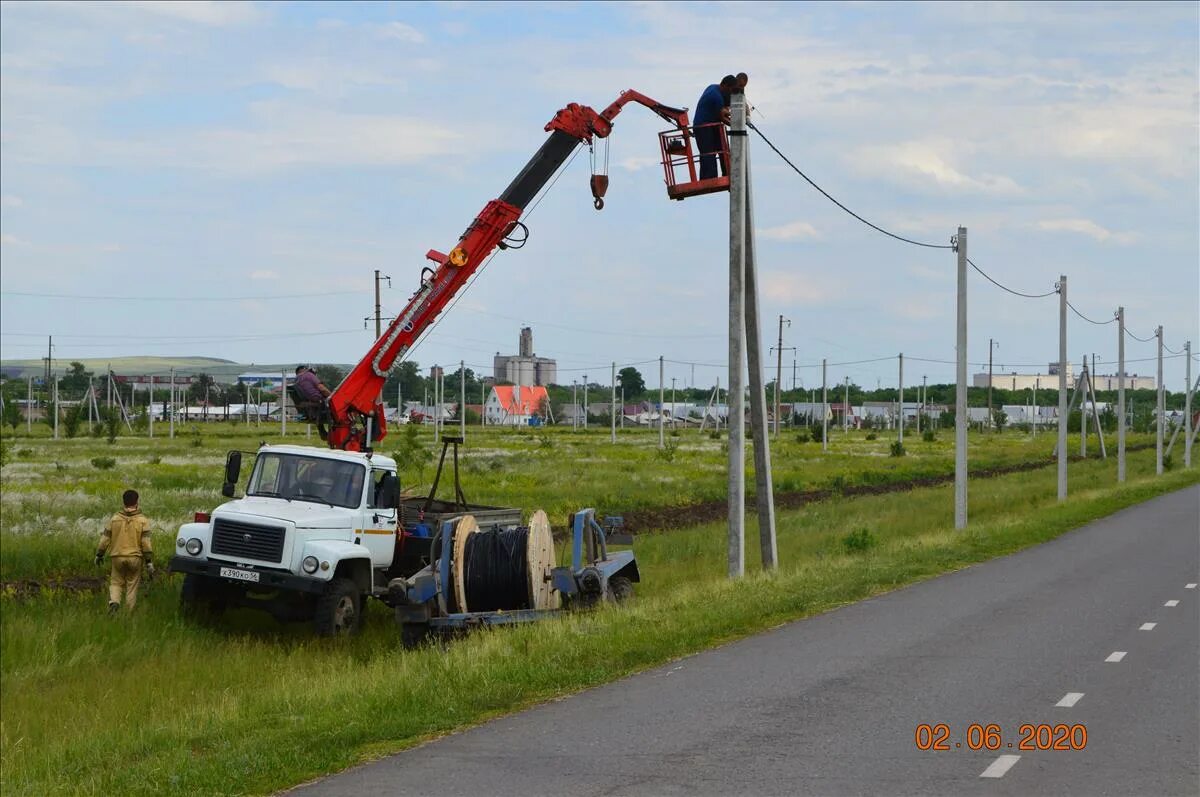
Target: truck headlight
(309,564)
(194,546)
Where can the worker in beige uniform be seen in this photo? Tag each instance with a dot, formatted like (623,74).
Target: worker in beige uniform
(126,540)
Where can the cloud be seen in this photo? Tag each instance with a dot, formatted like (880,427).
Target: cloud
(264,274)
(637,163)
(924,164)
(400,32)
(11,201)
(1089,228)
(792,231)
(203,12)
(786,288)
(8,239)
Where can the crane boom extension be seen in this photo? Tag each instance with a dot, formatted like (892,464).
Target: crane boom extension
(357,417)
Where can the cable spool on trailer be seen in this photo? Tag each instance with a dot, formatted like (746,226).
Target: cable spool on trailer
(503,569)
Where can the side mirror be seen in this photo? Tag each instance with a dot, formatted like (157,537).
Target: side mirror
(233,469)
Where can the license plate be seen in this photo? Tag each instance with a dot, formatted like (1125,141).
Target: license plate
(238,574)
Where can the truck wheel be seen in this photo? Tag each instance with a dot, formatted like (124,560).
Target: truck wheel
(199,598)
(620,589)
(339,609)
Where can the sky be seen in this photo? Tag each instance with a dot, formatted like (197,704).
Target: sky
(235,172)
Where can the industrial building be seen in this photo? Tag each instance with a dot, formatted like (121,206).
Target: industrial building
(1049,380)
(525,369)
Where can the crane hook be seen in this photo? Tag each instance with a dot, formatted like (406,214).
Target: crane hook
(599,203)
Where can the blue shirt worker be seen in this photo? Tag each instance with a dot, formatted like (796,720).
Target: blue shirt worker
(711,110)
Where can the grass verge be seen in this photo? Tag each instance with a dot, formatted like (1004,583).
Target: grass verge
(236,710)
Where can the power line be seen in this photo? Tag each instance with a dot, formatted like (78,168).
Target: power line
(1135,337)
(178,298)
(989,278)
(828,196)
(1090,321)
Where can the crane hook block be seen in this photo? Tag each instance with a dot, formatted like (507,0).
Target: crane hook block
(599,188)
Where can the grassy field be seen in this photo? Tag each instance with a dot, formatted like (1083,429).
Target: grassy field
(250,707)
(58,493)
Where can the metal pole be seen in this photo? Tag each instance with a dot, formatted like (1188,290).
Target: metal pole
(1120,394)
(1158,441)
(737,336)
(1187,408)
(661,398)
(29,407)
(574,404)
(283,403)
(172,432)
(55,377)
(622,408)
(824,408)
(1037,383)
(378,325)
(1062,387)
(149,405)
(901,403)
(585,401)
(764,493)
(462,400)
(960,392)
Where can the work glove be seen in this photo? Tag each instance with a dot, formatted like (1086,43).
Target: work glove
(99,558)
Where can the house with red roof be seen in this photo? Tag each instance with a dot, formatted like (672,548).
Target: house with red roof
(513,405)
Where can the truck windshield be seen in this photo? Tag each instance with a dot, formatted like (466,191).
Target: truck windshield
(300,478)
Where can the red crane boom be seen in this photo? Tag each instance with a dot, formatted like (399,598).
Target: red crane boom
(357,418)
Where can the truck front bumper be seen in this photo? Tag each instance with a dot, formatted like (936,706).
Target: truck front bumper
(267,579)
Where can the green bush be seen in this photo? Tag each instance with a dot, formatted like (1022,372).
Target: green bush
(929,436)
(103,463)
(872,436)
(667,452)
(859,541)
(803,436)
(897,449)
(714,434)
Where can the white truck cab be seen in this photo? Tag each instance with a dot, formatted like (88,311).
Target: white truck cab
(315,534)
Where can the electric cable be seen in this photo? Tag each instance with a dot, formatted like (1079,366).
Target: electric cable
(1135,337)
(989,278)
(496,570)
(1168,348)
(1090,321)
(828,196)
(179,298)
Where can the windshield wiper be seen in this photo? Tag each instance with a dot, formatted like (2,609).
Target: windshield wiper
(270,494)
(314,500)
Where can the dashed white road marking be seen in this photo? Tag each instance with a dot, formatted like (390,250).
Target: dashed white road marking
(1189,586)
(1147,626)
(1070,699)
(1116,655)
(997,768)
(1171,603)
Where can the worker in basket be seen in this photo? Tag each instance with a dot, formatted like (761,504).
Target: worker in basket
(711,110)
(312,398)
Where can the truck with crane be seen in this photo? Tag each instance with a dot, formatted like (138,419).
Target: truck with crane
(318,531)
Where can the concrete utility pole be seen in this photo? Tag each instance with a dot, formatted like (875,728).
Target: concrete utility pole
(172,431)
(29,406)
(900,380)
(585,402)
(437,404)
(1037,384)
(661,401)
(1120,394)
(282,403)
(737,337)
(960,392)
(1187,408)
(824,407)
(1062,387)
(613,408)
(378,317)
(1158,441)
(779,370)
(991,345)
(55,378)
(764,493)
(462,399)
(674,420)
(1083,410)
(846,408)
(574,404)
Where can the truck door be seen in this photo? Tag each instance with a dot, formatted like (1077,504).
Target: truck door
(380,515)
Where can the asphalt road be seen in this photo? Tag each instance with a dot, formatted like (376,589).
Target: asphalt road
(829,705)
